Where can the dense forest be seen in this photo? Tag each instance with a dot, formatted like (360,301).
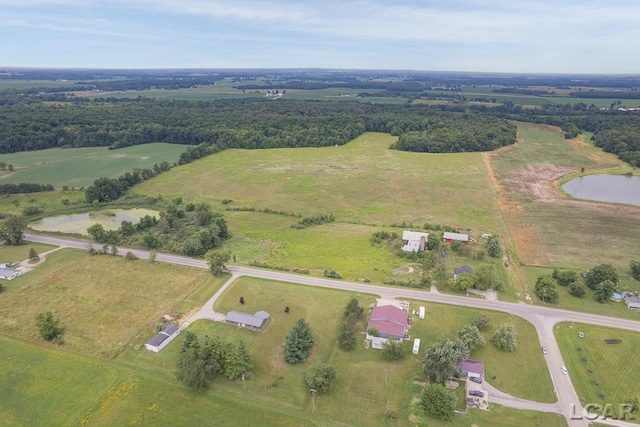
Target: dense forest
(35,121)
(247,123)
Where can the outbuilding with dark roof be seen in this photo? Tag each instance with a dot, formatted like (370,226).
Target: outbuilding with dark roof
(163,338)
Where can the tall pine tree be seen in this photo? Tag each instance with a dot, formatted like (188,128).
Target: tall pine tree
(298,343)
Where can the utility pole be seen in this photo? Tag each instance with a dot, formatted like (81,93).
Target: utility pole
(313,400)
(243,384)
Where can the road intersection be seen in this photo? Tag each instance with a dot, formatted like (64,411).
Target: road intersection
(542,318)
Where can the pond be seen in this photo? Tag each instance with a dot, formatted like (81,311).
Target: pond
(605,188)
(78,223)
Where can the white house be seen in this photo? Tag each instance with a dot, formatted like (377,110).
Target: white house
(9,273)
(162,338)
(414,241)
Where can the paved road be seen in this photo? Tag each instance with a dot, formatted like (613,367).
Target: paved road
(543,318)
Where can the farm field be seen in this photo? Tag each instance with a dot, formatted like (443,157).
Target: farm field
(79,167)
(100,393)
(359,397)
(546,228)
(615,367)
(363,184)
(586,304)
(101,301)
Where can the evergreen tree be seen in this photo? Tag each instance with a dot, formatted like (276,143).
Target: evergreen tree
(298,343)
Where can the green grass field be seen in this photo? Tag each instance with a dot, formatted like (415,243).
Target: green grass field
(79,167)
(101,301)
(615,367)
(552,231)
(42,386)
(361,183)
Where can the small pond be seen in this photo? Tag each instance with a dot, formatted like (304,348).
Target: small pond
(78,223)
(605,188)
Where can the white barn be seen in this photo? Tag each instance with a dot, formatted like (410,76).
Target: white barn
(414,241)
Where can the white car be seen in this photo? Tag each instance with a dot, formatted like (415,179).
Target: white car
(563,369)
(544,350)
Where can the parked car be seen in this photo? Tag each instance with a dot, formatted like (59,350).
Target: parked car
(544,350)
(476,393)
(563,369)
(476,379)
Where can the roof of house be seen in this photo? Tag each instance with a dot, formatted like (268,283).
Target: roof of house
(455,236)
(255,320)
(473,366)
(388,319)
(5,272)
(463,269)
(414,235)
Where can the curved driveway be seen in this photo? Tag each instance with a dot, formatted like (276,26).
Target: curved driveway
(542,318)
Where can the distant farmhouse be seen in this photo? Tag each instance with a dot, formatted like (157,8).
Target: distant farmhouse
(250,321)
(414,241)
(8,273)
(450,237)
(390,322)
(457,271)
(163,338)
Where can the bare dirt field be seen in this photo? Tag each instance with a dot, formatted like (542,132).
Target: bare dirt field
(546,227)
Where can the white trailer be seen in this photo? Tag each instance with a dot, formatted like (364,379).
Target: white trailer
(422,311)
(416,346)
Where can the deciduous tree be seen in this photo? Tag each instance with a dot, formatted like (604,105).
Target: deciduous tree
(217,261)
(48,326)
(471,337)
(12,230)
(601,273)
(443,358)
(393,349)
(506,337)
(319,377)
(604,290)
(546,289)
(439,402)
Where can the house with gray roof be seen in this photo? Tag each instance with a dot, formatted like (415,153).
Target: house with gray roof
(457,271)
(162,338)
(250,321)
(9,273)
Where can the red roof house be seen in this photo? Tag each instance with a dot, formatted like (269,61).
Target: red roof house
(390,321)
(472,368)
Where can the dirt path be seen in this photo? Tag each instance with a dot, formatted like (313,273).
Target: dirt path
(514,272)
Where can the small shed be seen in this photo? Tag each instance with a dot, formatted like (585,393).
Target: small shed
(416,346)
(163,338)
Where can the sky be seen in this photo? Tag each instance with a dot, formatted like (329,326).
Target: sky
(528,36)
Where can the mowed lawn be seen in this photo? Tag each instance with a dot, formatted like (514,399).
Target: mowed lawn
(79,167)
(557,232)
(101,301)
(366,384)
(42,386)
(615,367)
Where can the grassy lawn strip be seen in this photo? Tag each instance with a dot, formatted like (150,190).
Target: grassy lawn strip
(615,367)
(98,393)
(101,301)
